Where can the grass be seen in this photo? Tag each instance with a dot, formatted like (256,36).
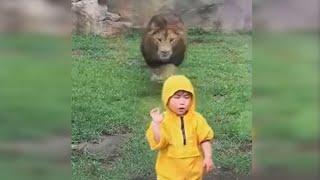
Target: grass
(35,87)
(34,105)
(286,101)
(290,92)
(112,94)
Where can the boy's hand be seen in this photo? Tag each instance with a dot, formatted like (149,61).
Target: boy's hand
(156,115)
(208,164)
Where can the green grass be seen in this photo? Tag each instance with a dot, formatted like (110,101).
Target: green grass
(286,100)
(112,94)
(35,86)
(286,84)
(34,104)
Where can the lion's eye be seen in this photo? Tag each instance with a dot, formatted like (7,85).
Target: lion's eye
(159,39)
(171,40)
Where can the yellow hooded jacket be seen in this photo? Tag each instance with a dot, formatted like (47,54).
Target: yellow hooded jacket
(180,155)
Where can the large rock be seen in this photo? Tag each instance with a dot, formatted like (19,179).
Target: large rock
(221,15)
(91,17)
(139,12)
(41,16)
(224,15)
(112,16)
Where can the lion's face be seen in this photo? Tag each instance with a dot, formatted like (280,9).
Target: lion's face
(165,39)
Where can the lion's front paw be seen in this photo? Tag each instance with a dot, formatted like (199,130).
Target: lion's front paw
(156,78)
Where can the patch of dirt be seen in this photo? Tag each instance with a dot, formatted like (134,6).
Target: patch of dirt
(247,147)
(204,41)
(225,177)
(220,173)
(55,148)
(107,149)
(75,53)
(124,130)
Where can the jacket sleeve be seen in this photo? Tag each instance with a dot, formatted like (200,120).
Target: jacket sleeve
(163,138)
(204,131)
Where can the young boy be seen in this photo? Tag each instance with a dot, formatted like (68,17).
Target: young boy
(181,134)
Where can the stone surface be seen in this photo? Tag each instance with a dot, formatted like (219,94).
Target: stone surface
(113,16)
(224,15)
(91,17)
(41,16)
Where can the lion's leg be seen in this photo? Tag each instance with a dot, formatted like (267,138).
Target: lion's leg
(163,72)
(167,71)
(155,74)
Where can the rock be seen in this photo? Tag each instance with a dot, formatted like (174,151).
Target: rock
(91,17)
(221,15)
(109,17)
(37,16)
(139,12)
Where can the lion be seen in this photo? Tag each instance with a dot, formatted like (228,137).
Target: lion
(163,45)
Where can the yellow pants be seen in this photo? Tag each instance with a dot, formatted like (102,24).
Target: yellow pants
(180,169)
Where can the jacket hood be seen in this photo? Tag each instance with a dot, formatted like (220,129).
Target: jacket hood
(174,84)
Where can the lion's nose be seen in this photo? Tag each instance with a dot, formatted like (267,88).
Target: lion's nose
(165,53)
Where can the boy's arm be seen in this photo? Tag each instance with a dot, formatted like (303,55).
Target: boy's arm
(208,164)
(156,134)
(156,130)
(155,124)
(205,135)
(204,131)
(207,150)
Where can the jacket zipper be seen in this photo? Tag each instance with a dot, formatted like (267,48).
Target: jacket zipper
(183,131)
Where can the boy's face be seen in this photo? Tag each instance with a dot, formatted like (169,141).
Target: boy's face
(180,102)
